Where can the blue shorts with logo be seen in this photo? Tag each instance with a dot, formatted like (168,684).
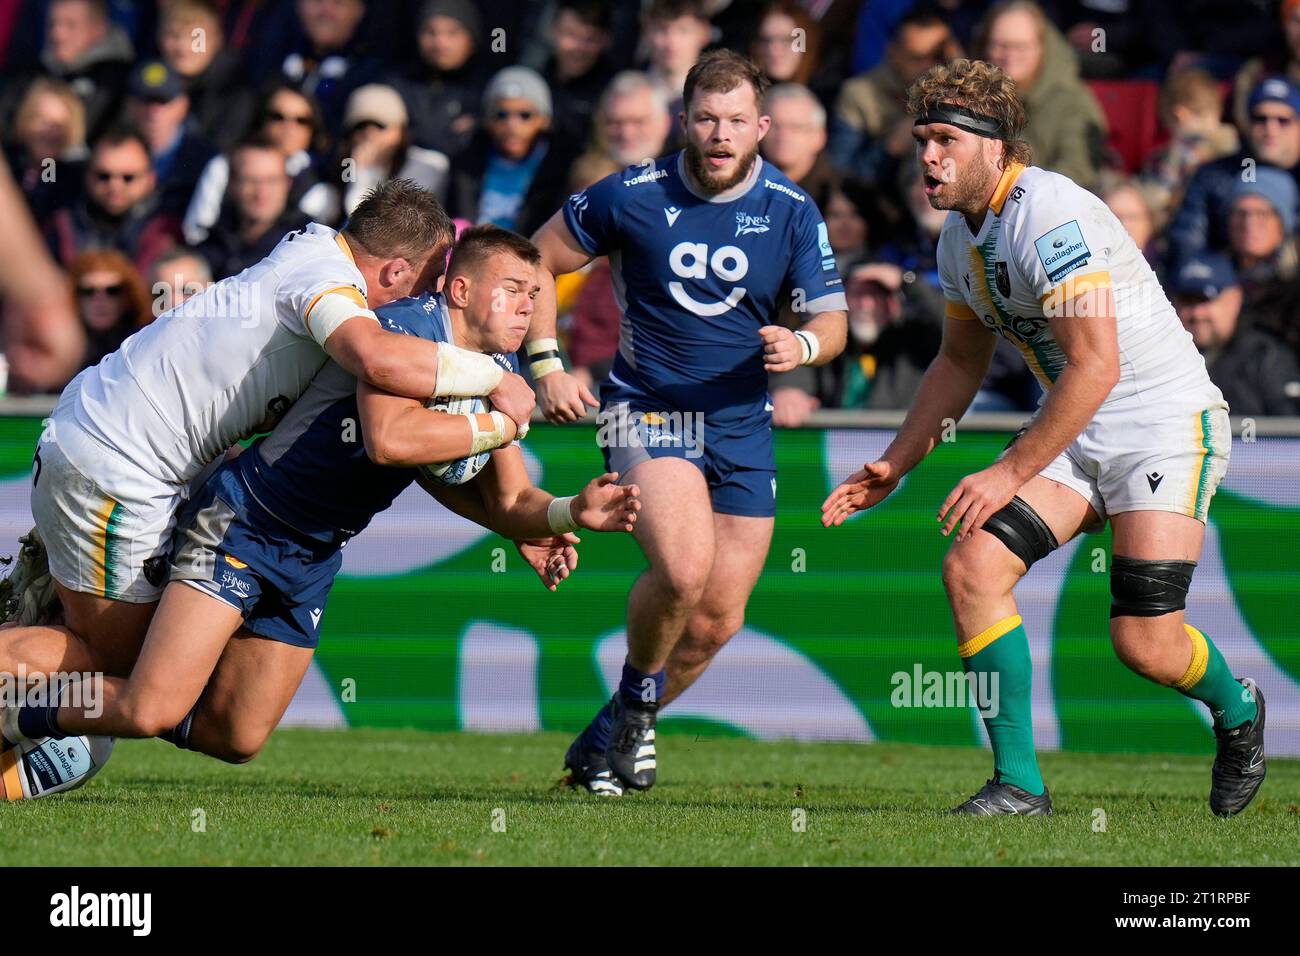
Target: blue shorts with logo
(229,546)
(735,455)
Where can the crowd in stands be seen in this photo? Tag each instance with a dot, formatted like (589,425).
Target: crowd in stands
(163,146)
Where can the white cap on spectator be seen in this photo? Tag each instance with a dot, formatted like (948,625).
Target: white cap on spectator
(377,103)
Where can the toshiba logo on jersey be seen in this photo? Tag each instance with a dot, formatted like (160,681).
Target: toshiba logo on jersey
(647,177)
(781,188)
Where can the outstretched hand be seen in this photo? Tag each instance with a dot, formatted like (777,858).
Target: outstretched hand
(605,505)
(863,489)
(554,558)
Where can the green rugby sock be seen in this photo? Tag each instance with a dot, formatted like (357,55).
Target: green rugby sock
(1208,679)
(1002,651)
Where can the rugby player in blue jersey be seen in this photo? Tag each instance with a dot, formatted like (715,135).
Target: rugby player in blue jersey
(706,245)
(258,547)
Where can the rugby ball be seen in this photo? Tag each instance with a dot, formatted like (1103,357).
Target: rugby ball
(462,469)
(38,768)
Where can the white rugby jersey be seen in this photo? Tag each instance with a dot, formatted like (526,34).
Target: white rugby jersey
(1045,240)
(221,366)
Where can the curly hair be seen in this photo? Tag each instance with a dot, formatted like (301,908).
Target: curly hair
(978,86)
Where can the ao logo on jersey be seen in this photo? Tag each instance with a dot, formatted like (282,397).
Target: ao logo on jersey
(691,260)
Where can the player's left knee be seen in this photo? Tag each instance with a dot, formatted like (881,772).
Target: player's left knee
(240,746)
(1142,588)
(706,634)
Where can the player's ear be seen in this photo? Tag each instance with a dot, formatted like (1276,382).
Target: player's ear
(393,271)
(458,290)
(764,124)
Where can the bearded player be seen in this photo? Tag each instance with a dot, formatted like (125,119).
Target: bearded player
(706,245)
(1131,430)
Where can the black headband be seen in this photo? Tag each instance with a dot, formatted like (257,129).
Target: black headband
(962,118)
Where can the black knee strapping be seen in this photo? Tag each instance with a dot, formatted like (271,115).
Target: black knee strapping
(1024,533)
(1148,588)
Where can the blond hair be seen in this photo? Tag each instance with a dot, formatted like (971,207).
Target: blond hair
(981,87)
(76,130)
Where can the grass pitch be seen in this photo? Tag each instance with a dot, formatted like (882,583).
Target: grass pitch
(394,797)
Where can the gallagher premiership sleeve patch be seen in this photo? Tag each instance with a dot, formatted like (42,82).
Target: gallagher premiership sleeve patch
(1062,250)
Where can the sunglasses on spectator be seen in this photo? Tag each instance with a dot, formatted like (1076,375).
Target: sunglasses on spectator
(275,116)
(367,124)
(90,291)
(107,175)
(524,115)
(1263,119)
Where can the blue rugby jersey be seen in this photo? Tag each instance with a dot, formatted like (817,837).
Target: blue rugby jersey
(696,278)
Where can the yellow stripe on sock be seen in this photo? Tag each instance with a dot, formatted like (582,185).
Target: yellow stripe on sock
(13,784)
(1200,660)
(987,636)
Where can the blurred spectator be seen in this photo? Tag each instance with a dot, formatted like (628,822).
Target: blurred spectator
(192,43)
(88,52)
(292,122)
(1261,228)
(1129,200)
(1112,38)
(1255,372)
(1284,62)
(1190,108)
(259,215)
(1066,128)
(377,143)
(49,154)
(442,87)
(895,327)
(177,275)
(878,21)
(119,209)
(1216,35)
(787,46)
(1200,225)
(112,301)
(332,59)
(594,315)
(43,341)
(915,242)
(158,106)
(872,131)
(512,174)
(632,122)
(577,71)
(857,220)
(796,141)
(675,33)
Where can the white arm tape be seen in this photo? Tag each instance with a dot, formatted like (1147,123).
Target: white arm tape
(560,516)
(486,441)
(330,311)
(811,346)
(462,372)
